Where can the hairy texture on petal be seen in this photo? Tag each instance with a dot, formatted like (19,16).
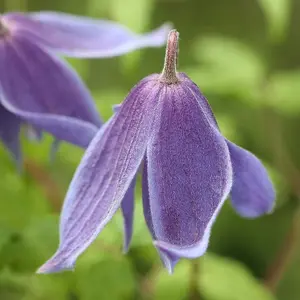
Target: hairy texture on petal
(9,134)
(105,174)
(168,259)
(81,36)
(45,92)
(127,207)
(252,193)
(189,174)
(194,89)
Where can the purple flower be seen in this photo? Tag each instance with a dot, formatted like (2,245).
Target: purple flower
(166,125)
(40,89)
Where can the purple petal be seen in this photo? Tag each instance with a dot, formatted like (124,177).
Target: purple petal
(9,134)
(78,36)
(146,201)
(252,193)
(168,260)
(189,174)
(104,175)
(127,207)
(43,91)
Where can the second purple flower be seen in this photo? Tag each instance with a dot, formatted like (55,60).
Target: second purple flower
(40,89)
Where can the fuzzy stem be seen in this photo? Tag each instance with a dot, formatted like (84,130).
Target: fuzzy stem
(169,73)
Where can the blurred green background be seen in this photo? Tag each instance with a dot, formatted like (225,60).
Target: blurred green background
(245,56)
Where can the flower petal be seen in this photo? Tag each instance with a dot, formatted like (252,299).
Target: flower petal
(168,260)
(252,193)
(9,134)
(78,36)
(43,91)
(189,173)
(146,200)
(104,175)
(127,207)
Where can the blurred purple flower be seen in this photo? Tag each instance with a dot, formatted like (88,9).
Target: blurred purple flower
(189,169)
(40,89)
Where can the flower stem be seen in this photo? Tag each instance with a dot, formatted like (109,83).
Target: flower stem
(46,182)
(194,293)
(169,73)
(284,163)
(285,255)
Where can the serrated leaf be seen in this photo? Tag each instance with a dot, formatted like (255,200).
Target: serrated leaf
(277,13)
(226,279)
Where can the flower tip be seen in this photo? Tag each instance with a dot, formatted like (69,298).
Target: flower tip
(125,248)
(169,260)
(52,266)
(169,73)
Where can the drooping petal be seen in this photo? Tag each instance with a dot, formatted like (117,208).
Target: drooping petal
(127,206)
(168,259)
(252,193)
(189,174)
(105,174)
(146,200)
(9,134)
(43,91)
(78,36)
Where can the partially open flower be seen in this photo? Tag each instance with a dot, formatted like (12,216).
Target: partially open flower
(40,89)
(189,169)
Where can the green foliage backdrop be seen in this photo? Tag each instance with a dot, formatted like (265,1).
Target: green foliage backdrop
(245,56)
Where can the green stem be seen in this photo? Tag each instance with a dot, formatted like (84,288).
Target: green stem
(285,254)
(194,293)
(46,183)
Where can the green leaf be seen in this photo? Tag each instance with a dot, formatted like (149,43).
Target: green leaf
(226,279)
(277,13)
(142,12)
(29,248)
(134,15)
(21,199)
(283,92)
(15,286)
(110,278)
(228,67)
(172,287)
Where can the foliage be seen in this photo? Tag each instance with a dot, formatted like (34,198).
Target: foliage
(244,55)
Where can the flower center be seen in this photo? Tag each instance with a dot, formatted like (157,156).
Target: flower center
(169,73)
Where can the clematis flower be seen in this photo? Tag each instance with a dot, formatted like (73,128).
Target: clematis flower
(166,125)
(40,89)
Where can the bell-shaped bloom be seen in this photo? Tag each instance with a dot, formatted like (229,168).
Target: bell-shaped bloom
(39,89)
(166,128)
